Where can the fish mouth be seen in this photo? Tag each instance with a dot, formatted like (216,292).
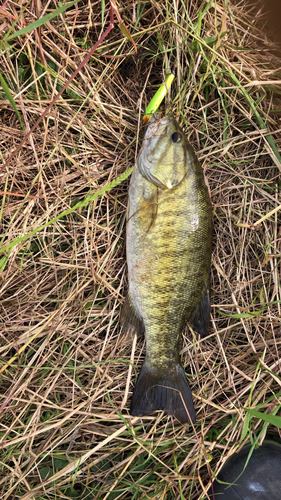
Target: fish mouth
(157,126)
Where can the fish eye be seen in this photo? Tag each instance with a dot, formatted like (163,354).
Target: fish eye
(176,137)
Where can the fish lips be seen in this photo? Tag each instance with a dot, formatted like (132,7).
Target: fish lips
(157,126)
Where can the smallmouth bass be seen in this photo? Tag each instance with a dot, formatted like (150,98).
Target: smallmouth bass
(169,244)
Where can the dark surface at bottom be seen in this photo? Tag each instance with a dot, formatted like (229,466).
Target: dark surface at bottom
(261,479)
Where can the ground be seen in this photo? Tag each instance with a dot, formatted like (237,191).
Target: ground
(67,372)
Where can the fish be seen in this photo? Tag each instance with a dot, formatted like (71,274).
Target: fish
(168,247)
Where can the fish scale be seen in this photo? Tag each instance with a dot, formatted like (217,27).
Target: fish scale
(169,237)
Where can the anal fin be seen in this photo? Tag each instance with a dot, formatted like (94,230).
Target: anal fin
(200,318)
(130,322)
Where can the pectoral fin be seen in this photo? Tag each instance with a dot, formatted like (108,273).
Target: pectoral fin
(130,321)
(200,318)
(148,207)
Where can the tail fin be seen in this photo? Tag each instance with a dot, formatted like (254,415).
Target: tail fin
(163,390)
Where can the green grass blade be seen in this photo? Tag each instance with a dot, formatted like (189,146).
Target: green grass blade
(250,314)
(41,21)
(102,12)
(260,121)
(83,203)
(16,20)
(271,419)
(3,262)
(10,98)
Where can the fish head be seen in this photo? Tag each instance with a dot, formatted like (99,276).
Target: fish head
(162,158)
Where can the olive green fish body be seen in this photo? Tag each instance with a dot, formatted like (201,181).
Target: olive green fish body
(169,232)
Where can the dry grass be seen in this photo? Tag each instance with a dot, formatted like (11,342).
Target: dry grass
(67,375)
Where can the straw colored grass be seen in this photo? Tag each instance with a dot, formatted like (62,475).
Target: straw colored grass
(67,372)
